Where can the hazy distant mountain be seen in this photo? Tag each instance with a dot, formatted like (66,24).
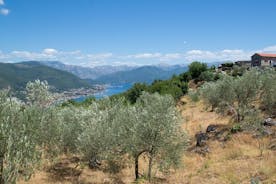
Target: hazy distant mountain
(16,75)
(87,72)
(145,74)
(120,74)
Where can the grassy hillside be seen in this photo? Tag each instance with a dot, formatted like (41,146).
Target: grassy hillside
(16,75)
(237,160)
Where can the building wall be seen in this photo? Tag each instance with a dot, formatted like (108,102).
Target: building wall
(257,60)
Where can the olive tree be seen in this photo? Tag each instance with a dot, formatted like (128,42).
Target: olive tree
(38,93)
(18,150)
(113,130)
(44,115)
(70,119)
(268,91)
(24,130)
(156,131)
(101,136)
(234,94)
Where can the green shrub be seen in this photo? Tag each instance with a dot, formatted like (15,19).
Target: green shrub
(236,128)
(196,68)
(207,76)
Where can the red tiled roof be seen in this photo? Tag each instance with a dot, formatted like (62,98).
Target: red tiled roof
(266,55)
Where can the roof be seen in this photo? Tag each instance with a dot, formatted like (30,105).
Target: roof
(266,55)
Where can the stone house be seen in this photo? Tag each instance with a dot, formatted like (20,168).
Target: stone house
(263,60)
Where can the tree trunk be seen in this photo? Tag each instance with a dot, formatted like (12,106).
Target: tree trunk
(137,164)
(137,167)
(150,167)
(1,170)
(238,117)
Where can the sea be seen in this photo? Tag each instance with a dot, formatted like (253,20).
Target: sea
(108,91)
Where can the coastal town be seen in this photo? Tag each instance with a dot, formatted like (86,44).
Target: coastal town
(77,93)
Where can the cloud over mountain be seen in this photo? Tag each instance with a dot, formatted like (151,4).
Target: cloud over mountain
(77,57)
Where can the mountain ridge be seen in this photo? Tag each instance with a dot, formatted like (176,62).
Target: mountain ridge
(144,74)
(109,74)
(16,76)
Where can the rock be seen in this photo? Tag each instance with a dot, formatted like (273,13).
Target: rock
(269,122)
(222,135)
(94,163)
(211,128)
(202,150)
(267,131)
(272,144)
(201,139)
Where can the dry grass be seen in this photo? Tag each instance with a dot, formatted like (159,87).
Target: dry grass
(235,161)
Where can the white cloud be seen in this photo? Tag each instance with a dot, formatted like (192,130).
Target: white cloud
(77,57)
(144,56)
(199,55)
(171,56)
(4,11)
(270,49)
(22,54)
(26,55)
(50,51)
(2,2)
(100,56)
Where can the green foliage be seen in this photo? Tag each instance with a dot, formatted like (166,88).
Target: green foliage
(174,87)
(207,76)
(87,102)
(233,94)
(38,93)
(158,130)
(238,95)
(253,121)
(26,129)
(16,75)
(227,65)
(185,77)
(196,68)
(194,95)
(268,91)
(236,128)
(133,93)
(111,129)
(17,140)
(238,71)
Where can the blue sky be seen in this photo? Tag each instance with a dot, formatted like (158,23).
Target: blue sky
(135,32)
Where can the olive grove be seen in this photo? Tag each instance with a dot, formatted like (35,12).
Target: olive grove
(243,95)
(25,129)
(110,131)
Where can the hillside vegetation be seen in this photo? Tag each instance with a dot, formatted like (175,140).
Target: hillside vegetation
(16,75)
(237,160)
(176,86)
(154,139)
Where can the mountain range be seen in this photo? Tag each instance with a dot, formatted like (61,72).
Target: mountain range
(144,74)
(87,72)
(16,76)
(120,74)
